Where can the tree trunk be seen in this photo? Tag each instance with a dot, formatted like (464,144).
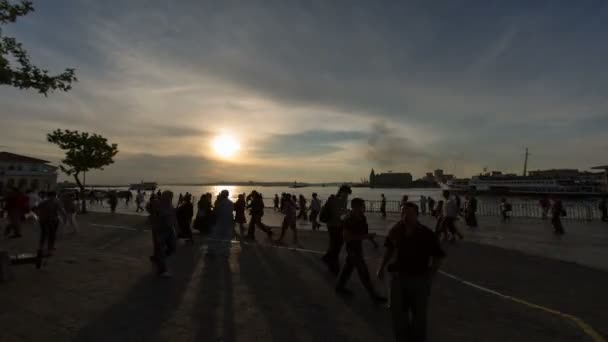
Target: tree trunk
(82,197)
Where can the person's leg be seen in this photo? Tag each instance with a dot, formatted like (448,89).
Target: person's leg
(399,309)
(347,271)
(365,278)
(251,230)
(294,228)
(44,232)
(419,289)
(52,235)
(453,229)
(284,225)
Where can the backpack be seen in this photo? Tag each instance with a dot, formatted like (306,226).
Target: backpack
(325,213)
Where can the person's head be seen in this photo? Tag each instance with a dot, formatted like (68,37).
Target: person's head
(410,212)
(314,195)
(225,193)
(294,198)
(446,194)
(357,205)
(241,197)
(344,191)
(51,194)
(404,198)
(382,195)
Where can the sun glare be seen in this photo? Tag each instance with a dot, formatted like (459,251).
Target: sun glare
(225,146)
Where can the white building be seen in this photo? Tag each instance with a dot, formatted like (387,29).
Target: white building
(26,173)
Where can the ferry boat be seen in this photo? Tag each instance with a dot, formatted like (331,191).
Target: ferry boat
(526,185)
(144,186)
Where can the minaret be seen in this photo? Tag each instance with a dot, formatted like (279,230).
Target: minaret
(372,177)
(526,162)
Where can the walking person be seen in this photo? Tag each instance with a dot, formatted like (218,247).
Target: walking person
(383,206)
(220,238)
(113,201)
(67,201)
(276,202)
(603,206)
(302,206)
(164,224)
(431,203)
(128,198)
(289,221)
(470,211)
(315,209)
(15,205)
(404,200)
(355,231)
(256,210)
(184,215)
(48,212)
(423,203)
(419,257)
(335,208)
(33,202)
(557,211)
(545,207)
(450,214)
(505,208)
(239,215)
(139,200)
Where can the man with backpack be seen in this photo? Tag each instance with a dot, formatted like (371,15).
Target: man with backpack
(331,214)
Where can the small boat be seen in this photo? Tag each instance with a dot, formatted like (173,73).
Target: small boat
(145,186)
(295,185)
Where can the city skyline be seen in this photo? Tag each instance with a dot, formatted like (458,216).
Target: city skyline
(317,92)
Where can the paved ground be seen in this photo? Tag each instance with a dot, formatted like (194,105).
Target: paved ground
(100,287)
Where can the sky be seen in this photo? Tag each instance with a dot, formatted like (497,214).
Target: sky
(318,91)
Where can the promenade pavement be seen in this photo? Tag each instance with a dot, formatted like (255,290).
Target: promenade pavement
(99,286)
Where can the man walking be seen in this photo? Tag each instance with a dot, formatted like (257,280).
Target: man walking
(256,209)
(336,207)
(419,256)
(355,231)
(315,209)
(450,213)
(48,212)
(383,206)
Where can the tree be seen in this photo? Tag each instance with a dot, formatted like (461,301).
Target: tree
(25,75)
(84,152)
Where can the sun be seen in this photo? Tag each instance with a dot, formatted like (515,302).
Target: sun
(225,146)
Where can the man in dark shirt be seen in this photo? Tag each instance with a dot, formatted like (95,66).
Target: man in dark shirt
(257,212)
(419,256)
(337,207)
(355,231)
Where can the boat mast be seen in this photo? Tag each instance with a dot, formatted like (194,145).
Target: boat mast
(526,162)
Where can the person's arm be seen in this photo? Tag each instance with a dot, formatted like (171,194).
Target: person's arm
(388,255)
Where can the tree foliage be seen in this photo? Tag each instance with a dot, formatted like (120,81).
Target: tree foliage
(83,152)
(25,75)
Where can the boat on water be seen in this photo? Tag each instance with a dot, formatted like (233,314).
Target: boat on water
(295,185)
(527,185)
(144,186)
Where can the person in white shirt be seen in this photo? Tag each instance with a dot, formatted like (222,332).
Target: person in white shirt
(315,209)
(450,214)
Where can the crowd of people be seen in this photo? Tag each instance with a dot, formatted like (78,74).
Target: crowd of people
(413,251)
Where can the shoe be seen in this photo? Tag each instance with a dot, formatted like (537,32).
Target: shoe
(344,291)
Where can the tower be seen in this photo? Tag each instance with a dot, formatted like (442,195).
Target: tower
(526,162)
(372,177)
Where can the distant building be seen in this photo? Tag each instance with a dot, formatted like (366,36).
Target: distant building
(26,173)
(390,180)
(438,174)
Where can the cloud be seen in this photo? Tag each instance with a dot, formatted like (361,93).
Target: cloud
(314,143)
(466,83)
(387,148)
